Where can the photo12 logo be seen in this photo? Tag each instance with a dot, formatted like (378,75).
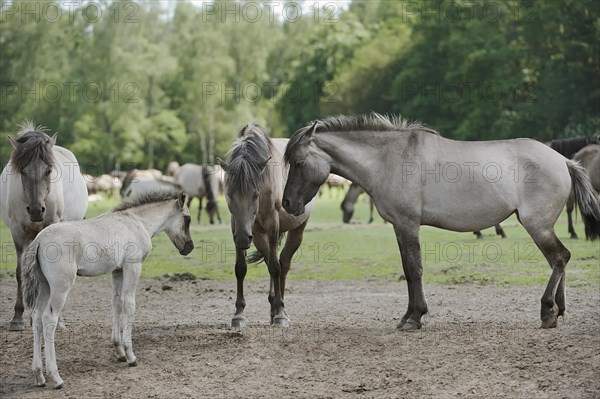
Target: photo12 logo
(55,11)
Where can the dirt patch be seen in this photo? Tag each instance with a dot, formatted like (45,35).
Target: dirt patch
(479,342)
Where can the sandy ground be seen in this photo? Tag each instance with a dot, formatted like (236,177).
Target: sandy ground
(479,342)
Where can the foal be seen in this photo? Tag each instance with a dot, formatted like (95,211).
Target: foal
(116,242)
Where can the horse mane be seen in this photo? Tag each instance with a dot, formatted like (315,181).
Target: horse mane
(372,122)
(568,147)
(246,160)
(145,199)
(32,146)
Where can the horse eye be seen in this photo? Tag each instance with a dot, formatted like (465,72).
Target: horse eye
(48,172)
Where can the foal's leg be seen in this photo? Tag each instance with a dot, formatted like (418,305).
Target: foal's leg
(407,235)
(570,207)
(38,332)
(241,267)
(131,275)
(117,308)
(60,288)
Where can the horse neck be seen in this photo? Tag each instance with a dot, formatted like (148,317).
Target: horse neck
(154,217)
(351,157)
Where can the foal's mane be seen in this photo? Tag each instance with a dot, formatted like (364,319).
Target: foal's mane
(373,122)
(246,160)
(32,146)
(145,199)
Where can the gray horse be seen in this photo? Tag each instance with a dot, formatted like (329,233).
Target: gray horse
(254,181)
(589,158)
(416,177)
(40,185)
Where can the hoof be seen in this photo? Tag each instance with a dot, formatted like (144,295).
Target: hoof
(281,321)
(238,323)
(549,323)
(133,364)
(61,326)
(16,325)
(410,326)
(564,315)
(60,386)
(122,359)
(41,385)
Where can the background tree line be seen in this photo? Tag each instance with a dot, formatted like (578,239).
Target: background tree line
(143,83)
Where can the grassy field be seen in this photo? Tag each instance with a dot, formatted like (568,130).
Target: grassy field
(332,251)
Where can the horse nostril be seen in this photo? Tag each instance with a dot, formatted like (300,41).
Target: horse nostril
(250,237)
(286,203)
(43,209)
(28,210)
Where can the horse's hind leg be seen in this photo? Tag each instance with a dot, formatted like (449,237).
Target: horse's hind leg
(570,207)
(500,231)
(58,296)
(117,308)
(38,331)
(131,275)
(292,243)
(557,256)
(241,267)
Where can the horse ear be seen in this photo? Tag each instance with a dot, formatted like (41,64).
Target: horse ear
(14,142)
(265,163)
(222,163)
(182,199)
(52,140)
(312,129)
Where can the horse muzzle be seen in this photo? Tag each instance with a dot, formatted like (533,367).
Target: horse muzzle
(36,214)
(292,208)
(187,248)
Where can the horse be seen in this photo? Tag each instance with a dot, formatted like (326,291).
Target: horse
(172,168)
(568,147)
(254,181)
(116,242)
(417,177)
(589,158)
(102,184)
(198,181)
(354,191)
(40,185)
(141,182)
(499,232)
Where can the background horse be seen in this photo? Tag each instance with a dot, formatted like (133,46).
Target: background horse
(416,177)
(254,181)
(61,252)
(146,181)
(568,147)
(199,182)
(39,186)
(589,158)
(354,191)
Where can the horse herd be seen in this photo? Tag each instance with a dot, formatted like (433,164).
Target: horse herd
(413,175)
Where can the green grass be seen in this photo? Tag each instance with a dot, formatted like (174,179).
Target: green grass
(333,251)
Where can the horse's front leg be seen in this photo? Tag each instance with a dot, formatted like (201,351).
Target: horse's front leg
(267,245)
(238,321)
(16,324)
(292,243)
(131,275)
(407,235)
(117,308)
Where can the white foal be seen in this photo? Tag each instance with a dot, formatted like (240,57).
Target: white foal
(116,242)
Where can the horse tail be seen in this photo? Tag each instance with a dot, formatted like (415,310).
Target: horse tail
(256,256)
(31,274)
(587,200)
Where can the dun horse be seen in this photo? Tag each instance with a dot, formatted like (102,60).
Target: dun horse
(198,182)
(416,177)
(40,185)
(122,238)
(589,158)
(254,181)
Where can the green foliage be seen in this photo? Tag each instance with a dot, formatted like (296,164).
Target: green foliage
(149,82)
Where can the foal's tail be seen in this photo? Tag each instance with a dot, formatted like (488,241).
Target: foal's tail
(587,200)
(31,274)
